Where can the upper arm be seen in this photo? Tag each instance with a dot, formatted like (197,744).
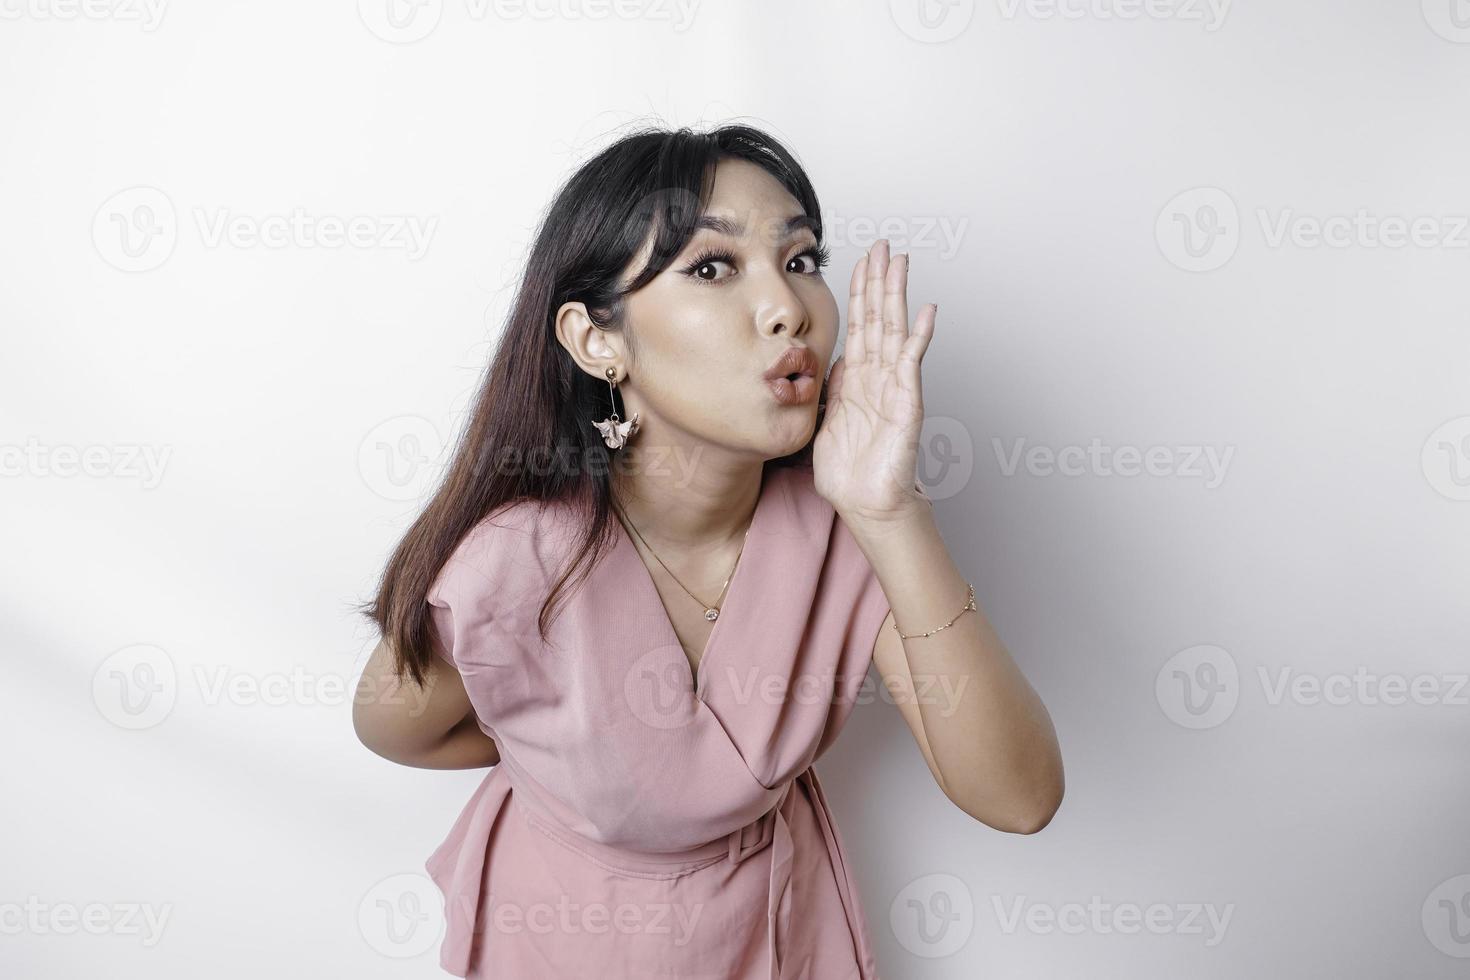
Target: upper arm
(893,667)
(409,724)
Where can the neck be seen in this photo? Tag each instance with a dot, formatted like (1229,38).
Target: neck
(706,507)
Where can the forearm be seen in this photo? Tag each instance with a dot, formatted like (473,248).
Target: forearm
(990,736)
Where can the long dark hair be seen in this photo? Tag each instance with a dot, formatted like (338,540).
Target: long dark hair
(535,402)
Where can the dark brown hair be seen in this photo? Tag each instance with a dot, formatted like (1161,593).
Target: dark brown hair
(532,414)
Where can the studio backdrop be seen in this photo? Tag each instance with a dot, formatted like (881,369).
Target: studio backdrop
(1198,429)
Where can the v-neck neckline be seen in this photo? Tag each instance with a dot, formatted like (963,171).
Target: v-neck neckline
(751,549)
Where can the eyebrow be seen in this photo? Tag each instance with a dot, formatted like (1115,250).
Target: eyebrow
(725,226)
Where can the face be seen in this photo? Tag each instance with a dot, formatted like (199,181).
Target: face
(706,329)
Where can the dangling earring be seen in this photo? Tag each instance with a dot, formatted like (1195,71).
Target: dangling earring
(614,430)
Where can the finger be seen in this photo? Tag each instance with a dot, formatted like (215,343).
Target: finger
(855,347)
(911,355)
(873,299)
(895,307)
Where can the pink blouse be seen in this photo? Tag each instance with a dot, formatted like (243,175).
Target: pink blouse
(643,822)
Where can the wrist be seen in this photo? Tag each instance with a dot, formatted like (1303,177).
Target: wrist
(917,513)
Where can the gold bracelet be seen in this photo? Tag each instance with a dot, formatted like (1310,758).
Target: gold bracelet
(968,605)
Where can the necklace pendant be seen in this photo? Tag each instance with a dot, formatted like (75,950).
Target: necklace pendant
(711,614)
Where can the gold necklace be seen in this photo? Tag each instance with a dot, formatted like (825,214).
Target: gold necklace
(711,612)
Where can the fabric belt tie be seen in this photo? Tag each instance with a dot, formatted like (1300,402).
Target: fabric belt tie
(772,829)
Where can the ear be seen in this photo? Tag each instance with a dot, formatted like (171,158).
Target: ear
(593,349)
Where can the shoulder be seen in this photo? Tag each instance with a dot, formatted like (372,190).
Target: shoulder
(518,539)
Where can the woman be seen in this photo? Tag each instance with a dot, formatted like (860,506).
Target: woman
(743,550)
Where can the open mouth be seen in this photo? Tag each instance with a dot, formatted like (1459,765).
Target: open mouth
(793,376)
(794,389)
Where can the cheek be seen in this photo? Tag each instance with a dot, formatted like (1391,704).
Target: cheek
(675,324)
(701,374)
(825,319)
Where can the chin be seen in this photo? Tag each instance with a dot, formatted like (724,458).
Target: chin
(791,433)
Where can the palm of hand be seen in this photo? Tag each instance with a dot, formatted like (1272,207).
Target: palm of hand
(865,455)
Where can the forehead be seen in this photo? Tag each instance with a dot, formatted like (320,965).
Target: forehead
(747,202)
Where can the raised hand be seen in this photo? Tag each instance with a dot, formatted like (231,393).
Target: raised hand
(866,453)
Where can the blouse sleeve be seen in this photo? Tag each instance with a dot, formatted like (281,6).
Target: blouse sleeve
(470,601)
(477,624)
(460,609)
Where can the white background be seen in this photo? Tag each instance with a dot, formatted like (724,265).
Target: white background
(292,398)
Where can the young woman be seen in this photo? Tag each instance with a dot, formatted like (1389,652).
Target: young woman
(652,582)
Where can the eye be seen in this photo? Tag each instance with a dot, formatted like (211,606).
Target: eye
(705,266)
(815,256)
(705,262)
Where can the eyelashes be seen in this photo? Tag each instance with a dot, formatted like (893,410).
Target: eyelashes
(821,257)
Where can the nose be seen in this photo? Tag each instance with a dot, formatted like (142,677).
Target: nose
(779,310)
